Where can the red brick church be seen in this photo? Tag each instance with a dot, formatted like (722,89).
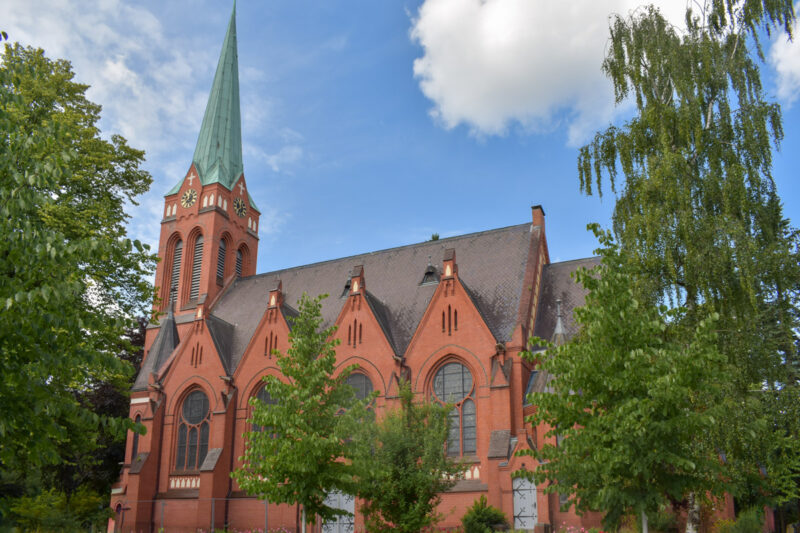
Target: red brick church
(451,314)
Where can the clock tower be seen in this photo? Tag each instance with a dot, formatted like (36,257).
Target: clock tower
(209,233)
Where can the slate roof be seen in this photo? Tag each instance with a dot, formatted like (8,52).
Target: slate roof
(557,283)
(491,266)
(491,263)
(163,345)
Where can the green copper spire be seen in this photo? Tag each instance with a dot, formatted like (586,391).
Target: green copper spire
(218,155)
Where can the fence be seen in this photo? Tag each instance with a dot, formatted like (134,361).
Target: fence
(232,515)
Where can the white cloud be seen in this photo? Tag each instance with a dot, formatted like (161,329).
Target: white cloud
(785,58)
(285,157)
(494,64)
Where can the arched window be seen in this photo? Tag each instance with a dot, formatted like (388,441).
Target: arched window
(239,261)
(135,446)
(264,397)
(197,263)
(361,384)
(453,384)
(221,261)
(177,253)
(193,432)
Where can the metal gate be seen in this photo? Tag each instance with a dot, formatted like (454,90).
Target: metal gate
(343,523)
(525,515)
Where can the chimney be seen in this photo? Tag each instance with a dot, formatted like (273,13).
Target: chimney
(538,216)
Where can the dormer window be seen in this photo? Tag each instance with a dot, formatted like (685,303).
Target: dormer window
(431,277)
(346,290)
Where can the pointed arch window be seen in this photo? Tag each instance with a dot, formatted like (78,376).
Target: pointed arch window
(361,383)
(193,431)
(263,396)
(453,384)
(177,253)
(221,261)
(239,261)
(135,444)
(197,264)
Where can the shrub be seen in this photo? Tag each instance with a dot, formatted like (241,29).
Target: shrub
(483,518)
(749,521)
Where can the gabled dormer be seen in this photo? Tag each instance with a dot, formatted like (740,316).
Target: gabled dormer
(452,317)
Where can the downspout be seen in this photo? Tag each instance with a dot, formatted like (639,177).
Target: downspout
(230,468)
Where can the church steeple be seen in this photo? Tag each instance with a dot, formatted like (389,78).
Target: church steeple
(209,233)
(218,155)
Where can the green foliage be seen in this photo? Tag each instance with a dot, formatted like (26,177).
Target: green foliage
(53,511)
(664,521)
(483,518)
(750,521)
(402,465)
(631,394)
(305,453)
(700,220)
(71,280)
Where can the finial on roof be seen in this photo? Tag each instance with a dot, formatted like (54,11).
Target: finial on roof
(559,335)
(218,154)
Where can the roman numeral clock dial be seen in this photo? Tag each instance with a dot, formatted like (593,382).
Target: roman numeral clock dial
(239,207)
(189,198)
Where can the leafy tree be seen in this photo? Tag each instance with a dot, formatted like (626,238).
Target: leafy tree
(304,454)
(71,280)
(403,465)
(700,220)
(630,395)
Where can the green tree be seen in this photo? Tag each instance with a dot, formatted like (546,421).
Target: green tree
(699,217)
(403,465)
(71,279)
(303,454)
(630,395)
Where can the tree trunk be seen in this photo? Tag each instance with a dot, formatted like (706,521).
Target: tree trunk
(644,522)
(303,519)
(693,515)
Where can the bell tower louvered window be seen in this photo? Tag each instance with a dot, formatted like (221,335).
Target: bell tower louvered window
(221,261)
(177,253)
(239,260)
(197,263)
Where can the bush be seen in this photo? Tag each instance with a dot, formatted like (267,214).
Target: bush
(483,518)
(749,521)
(53,511)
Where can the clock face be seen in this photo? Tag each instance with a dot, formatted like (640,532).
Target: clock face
(239,207)
(189,198)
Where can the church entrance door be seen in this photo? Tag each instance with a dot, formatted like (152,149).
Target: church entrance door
(342,524)
(525,515)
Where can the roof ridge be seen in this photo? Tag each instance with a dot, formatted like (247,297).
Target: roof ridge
(411,245)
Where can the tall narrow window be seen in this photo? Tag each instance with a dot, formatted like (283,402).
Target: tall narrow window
(453,384)
(239,260)
(135,445)
(221,261)
(264,396)
(193,432)
(177,253)
(197,264)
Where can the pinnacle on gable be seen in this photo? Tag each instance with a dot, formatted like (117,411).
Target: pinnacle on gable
(218,154)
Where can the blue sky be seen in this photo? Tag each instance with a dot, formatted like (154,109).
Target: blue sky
(371,124)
